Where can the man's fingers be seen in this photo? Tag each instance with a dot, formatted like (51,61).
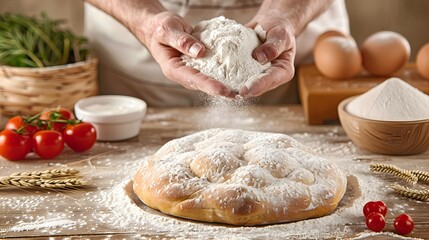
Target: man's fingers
(176,33)
(281,71)
(186,44)
(191,78)
(274,45)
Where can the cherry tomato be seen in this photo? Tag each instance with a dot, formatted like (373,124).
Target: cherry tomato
(14,146)
(80,137)
(403,224)
(59,127)
(371,207)
(17,122)
(375,221)
(48,144)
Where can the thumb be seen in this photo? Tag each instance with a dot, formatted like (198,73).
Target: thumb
(274,45)
(185,43)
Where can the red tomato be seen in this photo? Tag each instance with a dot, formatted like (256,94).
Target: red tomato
(375,221)
(80,137)
(14,146)
(48,144)
(17,122)
(371,207)
(59,127)
(403,224)
(57,113)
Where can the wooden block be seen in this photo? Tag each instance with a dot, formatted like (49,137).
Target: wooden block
(320,95)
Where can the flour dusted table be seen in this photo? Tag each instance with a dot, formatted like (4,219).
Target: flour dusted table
(160,125)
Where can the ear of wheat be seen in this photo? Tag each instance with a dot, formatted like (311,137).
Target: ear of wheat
(422,195)
(49,173)
(421,175)
(49,179)
(43,183)
(395,171)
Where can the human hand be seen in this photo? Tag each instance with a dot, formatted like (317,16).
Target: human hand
(167,36)
(278,47)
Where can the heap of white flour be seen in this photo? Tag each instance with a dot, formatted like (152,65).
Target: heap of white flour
(228,58)
(392,100)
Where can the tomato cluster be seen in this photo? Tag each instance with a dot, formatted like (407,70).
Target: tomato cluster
(375,213)
(46,134)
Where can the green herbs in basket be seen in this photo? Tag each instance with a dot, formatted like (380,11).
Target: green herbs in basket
(38,42)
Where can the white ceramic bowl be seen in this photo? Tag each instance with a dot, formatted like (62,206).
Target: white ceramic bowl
(115,117)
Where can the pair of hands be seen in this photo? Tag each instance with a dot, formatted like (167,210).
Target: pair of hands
(167,36)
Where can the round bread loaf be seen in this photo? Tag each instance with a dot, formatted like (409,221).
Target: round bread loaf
(239,177)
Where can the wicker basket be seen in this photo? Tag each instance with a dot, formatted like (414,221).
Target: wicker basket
(28,91)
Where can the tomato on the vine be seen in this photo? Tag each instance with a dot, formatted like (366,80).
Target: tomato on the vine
(48,144)
(375,221)
(403,224)
(56,114)
(13,145)
(46,133)
(17,122)
(80,137)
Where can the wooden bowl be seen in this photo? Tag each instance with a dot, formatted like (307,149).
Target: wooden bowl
(385,137)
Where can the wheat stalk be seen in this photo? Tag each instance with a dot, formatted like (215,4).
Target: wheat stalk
(49,179)
(43,183)
(422,195)
(421,175)
(393,170)
(50,173)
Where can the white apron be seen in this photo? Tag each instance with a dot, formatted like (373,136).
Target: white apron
(127,68)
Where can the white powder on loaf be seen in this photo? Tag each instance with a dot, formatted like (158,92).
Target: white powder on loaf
(228,58)
(392,100)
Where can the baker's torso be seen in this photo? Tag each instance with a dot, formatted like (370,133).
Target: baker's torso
(127,68)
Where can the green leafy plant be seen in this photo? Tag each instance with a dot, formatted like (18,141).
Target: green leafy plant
(38,42)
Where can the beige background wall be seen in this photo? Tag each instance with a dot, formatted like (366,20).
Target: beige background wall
(72,10)
(408,17)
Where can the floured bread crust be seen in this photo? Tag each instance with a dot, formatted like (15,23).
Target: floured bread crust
(239,177)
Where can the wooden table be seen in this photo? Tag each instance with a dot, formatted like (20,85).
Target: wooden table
(23,212)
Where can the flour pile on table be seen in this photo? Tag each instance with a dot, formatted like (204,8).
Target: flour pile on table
(228,58)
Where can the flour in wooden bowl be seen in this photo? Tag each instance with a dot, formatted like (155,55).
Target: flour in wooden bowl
(392,100)
(228,58)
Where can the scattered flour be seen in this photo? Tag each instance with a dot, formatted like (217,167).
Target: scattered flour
(42,224)
(389,235)
(229,47)
(392,100)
